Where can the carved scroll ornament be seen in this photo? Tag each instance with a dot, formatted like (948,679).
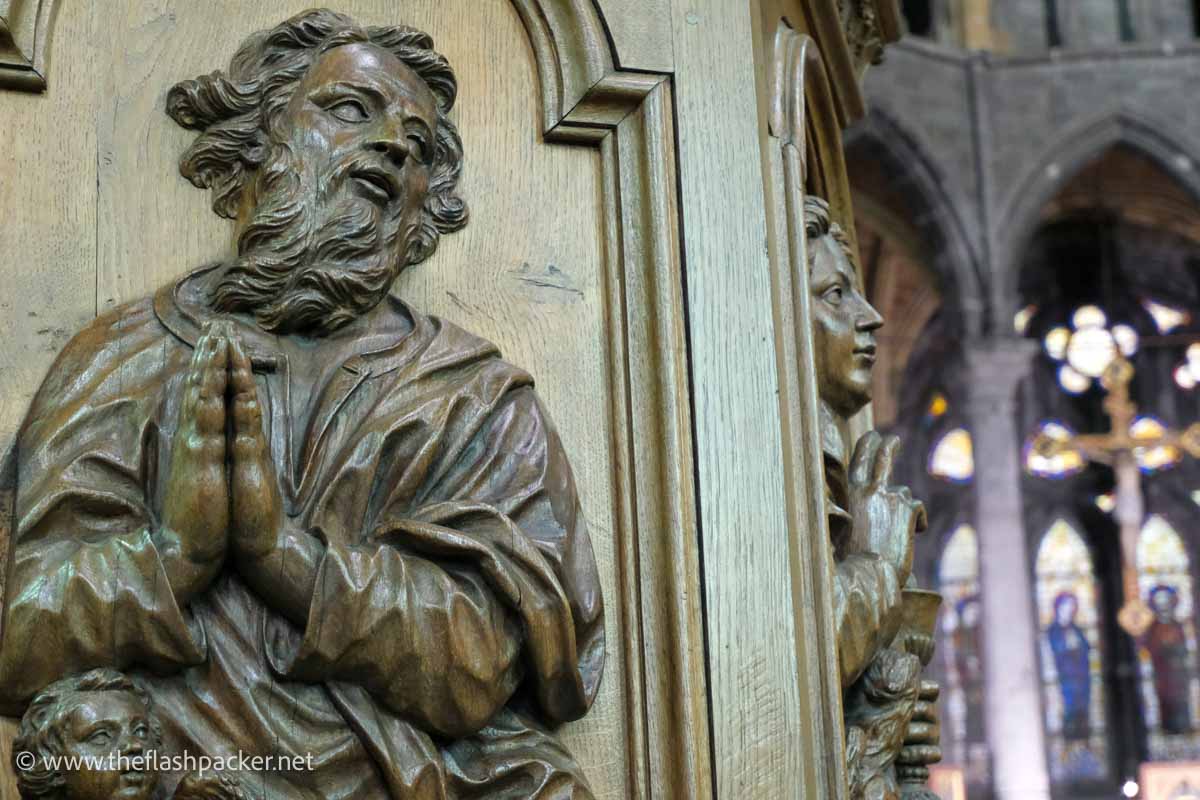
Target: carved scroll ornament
(285,514)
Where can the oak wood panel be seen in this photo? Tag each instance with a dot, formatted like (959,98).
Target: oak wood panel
(759,747)
(528,272)
(47,246)
(641,33)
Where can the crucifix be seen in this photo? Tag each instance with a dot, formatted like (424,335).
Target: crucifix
(1119,448)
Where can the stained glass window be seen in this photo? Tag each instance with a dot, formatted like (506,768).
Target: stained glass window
(952,457)
(1060,465)
(963,736)
(1153,458)
(1071,658)
(1167,652)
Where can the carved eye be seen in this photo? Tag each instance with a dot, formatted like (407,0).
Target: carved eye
(141,732)
(833,296)
(350,111)
(99,738)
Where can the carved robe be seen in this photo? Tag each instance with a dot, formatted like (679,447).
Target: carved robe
(456,608)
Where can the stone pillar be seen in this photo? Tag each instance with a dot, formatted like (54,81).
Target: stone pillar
(1012,701)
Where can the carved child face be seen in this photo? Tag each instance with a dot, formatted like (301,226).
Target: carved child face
(362,121)
(102,726)
(844,326)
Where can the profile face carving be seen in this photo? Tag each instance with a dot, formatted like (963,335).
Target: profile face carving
(844,323)
(330,145)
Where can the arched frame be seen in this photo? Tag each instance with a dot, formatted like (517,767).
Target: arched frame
(1074,148)
(628,118)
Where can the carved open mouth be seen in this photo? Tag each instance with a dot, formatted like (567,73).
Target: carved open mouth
(377,183)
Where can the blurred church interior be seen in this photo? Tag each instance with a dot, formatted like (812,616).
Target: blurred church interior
(1027,192)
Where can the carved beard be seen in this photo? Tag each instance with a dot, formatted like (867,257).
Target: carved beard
(313,257)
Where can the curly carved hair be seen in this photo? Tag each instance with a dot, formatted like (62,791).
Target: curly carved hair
(818,222)
(41,728)
(237,110)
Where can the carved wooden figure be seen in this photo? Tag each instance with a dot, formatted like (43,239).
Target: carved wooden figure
(308,518)
(873,526)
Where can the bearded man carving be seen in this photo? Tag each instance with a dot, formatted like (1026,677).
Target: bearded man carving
(309,518)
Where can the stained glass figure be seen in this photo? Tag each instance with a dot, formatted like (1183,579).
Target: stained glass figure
(1071,656)
(1167,653)
(964,737)
(1072,661)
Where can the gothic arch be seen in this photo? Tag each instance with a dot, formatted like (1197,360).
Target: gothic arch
(1171,149)
(952,257)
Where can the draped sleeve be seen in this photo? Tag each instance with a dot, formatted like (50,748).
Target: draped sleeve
(483,582)
(86,586)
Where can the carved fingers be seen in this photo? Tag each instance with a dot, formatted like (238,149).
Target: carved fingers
(886,517)
(195,520)
(248,438)
(922,739)
(202,412)
(256,502)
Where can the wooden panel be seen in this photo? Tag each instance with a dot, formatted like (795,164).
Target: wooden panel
(759,747)
(641,33)
(47,246)
(550,268)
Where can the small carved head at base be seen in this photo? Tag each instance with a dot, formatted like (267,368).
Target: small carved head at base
(100,723)
(844,323)
(330,145)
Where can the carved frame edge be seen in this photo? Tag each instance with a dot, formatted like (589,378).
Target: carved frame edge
(660,548)
(25,32)
(629,117)
(799,87)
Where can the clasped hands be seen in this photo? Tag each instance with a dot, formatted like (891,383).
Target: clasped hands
(221,491)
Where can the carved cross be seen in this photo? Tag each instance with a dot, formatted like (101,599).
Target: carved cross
(1117,448)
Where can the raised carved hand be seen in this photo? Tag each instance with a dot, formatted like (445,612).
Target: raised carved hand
(886,518)
(194,531)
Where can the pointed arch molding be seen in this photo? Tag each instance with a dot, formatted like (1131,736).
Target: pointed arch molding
(1082,142)
(25,30)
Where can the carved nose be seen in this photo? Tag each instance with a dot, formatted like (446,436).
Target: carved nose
(394,151)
